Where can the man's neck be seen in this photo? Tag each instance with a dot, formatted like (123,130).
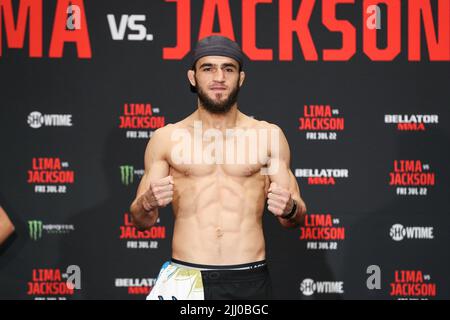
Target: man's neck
(218,121)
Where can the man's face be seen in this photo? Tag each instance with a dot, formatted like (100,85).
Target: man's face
(217,80)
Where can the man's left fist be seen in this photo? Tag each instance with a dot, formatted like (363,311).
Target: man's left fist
(279,200)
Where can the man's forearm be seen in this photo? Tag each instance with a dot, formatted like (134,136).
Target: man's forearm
(142,218)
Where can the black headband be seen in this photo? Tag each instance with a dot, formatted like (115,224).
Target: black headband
(218,46)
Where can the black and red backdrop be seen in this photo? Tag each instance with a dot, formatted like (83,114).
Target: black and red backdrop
(360,88)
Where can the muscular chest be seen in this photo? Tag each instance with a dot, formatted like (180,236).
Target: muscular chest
(197,156)
(246,169)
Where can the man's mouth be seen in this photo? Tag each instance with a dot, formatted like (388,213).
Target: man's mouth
(218,88)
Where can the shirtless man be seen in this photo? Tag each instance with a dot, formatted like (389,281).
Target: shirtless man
(218,249)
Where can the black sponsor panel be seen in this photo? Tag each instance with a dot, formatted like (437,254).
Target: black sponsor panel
(365,112)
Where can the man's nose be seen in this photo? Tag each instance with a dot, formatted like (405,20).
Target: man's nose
(219,75)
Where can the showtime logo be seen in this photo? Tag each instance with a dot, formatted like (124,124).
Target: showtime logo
(136,286)
(412,284)
(323,229)
(321,176)
(36,120)
(140,117)
(308,287)
(320,122)
(398,232)
(47,171)
(415,122)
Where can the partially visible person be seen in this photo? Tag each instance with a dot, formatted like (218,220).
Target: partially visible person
(6,226)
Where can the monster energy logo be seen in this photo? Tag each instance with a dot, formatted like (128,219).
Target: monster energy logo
(35,227)
(126,174)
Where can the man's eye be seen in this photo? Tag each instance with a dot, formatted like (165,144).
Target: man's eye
(229,70)
(207,69)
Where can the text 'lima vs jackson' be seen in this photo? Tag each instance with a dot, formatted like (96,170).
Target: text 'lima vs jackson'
(293,23)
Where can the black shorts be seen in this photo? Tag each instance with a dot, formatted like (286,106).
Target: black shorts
(179,280)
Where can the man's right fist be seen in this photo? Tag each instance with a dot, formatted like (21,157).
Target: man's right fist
(159,194)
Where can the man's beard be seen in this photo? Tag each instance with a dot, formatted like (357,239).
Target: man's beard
(218,107)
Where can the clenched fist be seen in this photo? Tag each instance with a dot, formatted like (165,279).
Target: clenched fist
(159,194)
(279,201)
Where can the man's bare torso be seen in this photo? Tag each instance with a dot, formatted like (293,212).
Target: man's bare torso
(217,207)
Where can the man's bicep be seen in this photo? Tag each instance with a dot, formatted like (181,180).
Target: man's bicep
(279,159)
(156,165)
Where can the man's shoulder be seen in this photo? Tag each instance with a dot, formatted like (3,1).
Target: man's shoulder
(159,133)
(160,137)
(274,131)
(163,135)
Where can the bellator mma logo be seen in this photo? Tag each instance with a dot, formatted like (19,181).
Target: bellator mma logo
(293,23)
(45,172)
(136,286)
(321,176)
(411,177)
(140,116)
(412,284)
(320,122)
(129,232)
(321,227)
(413,122)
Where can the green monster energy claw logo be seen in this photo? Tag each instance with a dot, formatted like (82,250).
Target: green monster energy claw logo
(126,174)
(35,227)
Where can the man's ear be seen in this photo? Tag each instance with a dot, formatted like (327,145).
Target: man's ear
(191,77)
(242,77)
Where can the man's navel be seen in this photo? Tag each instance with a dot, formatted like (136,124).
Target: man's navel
(219,232)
